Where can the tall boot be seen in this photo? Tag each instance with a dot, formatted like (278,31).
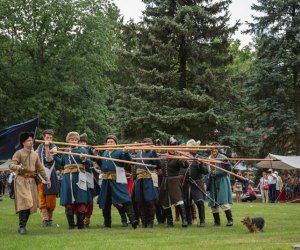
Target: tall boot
(27,214)
(131,215)
(107,216)
(122,212)
(188,210)
(168,214)
(70,217)
(22,222)
(80,218)
(151,213)
(143,216)
(182,213)
(217,219)
(229,218)
(201,211)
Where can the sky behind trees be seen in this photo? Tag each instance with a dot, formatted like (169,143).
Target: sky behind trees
(240,9)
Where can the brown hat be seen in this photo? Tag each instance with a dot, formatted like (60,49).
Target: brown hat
(72,134)
(24,136)
(147,140)
(112,137)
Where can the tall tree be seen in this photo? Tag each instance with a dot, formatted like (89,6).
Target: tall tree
(276,83)
(54,62)
(174,58)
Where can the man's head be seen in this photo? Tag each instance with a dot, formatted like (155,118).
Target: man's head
(111,140)
(48,134)
(83,139)
(72,137)
(26,140)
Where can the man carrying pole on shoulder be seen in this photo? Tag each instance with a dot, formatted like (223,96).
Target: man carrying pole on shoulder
(47,197)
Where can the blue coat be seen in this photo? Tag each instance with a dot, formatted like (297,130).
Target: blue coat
(144,190)
(119,191)
(69,188)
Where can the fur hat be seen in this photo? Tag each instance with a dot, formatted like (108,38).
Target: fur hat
(157,142)
(48,132)
(83,137)
(147,140)
(193,143)
(112,137)
(270,170)
(172,141)
(72,134)
(24,136)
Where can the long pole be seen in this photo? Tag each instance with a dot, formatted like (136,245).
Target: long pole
(102,158)
(64,143)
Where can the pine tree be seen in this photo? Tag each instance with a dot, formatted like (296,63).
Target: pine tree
(276,83)
(175,59)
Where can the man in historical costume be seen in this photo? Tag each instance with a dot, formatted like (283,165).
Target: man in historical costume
(220,194)
(114,184)
(93,173)
(74,194)
(146,188)
(26,164)
(47,197)
(194,185)
(171,189)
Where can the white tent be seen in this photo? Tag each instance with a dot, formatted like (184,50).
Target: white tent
(280,162)
(4,165)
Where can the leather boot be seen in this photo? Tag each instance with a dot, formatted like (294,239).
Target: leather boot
(182,213)
(188,210)
(86,222)
(122,212)
(22,222)
(130,212)
(143,216)
(201,211)
(107,216)
(168,214)
(151,213)
(70,218)
(80,218)
(217,219)
(229,218)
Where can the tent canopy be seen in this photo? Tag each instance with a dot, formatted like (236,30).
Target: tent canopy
(280,162)
(4,165)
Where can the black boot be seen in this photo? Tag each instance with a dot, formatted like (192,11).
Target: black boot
(182,212)
(122,213)
(131,215)
(188,210)
(229,218)
(217,219)
(151,213)
(201,211)
(168,214)
(70,218)
(143,216)
(22,222)
(80,220)
(107,216)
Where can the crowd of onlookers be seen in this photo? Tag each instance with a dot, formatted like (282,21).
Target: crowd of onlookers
(273,186)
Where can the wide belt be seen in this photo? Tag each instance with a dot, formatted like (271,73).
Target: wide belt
(109,176)
(73,168)
(143,174)
(27,174)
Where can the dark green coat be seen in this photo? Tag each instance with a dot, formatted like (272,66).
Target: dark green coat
(219,185)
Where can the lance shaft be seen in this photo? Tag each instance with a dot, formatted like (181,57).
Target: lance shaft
(102,158)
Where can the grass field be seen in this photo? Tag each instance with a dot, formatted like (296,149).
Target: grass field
(282,231)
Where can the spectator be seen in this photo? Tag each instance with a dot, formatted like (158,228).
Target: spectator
(264,188)
(272,179)
(250,195)
(238,189)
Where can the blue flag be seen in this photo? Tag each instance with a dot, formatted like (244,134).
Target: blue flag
(9,137)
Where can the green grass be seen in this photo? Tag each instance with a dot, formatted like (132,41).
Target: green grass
(282,231)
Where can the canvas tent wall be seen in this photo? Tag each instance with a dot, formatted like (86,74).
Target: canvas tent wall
(4,165)
(280,162)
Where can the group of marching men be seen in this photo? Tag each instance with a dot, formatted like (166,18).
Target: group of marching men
(36,183)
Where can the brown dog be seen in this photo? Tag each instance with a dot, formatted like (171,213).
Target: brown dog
(255,224)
